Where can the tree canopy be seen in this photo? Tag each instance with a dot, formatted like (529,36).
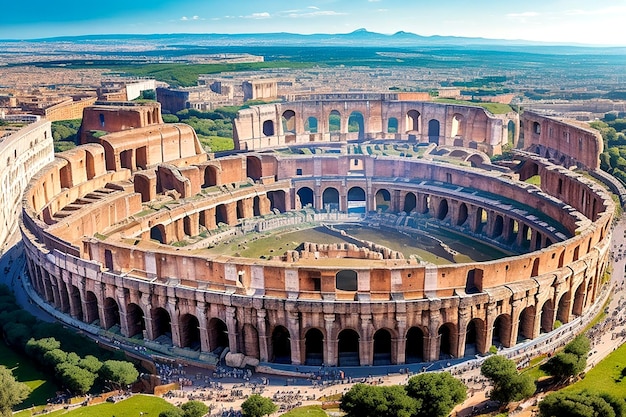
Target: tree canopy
(258,406)
(571,361)
(439,393)
(120,373)
(508,384)
(12,392)
(194,409)
(571,404)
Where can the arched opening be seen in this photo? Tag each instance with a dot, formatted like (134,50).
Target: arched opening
(189,329)
(314,347)
(547,317)
(511,133)
(410,203)
(75,297)
(475,329)
(498,226)
(535,270)
(111,313)
(277,200)
(126,159)
(346,280)
(221,214)
(433,131)
(348,348)
(392,125)
(501,331)
(579,300)
(412,121)
(65,297)
(356,200)
(462,216)
(414,350)
(158,233)
(135,320)
(356,123)
(210,176)
(90,165)
(289,122)
(254,169)
(383,200)
(268,128)
(334,122)
(218,335)
(306,196)
(281,345)
(442,211)
(445,341)
(562,312)
(256,206)
(250,338)
(382,347)
(457,125)
(526,325)
(310,125)
(330,199)
(141,156)
(91,308)
(162,325)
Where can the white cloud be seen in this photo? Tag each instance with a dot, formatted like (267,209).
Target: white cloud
(613,10)
(295,14)
(313,7)
(261,15)
(373,1)
(382,10)
(195,18)
(184,18)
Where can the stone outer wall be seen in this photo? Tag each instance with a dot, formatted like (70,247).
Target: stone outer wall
(565,142)
(98,254)
(281,124)
(22,155)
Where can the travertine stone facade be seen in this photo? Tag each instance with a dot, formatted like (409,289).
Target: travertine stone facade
(98,238)
(22,155)
(378,116)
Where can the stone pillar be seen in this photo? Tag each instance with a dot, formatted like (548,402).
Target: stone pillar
(399,355)
(265,205)
(247,208)
(210,221)
(204,332)
(366,344)
(293,323)
(231,323)
(194,224)
(507,229)
(461,339)
(147,307)
(175,321)
(433,339)
(122,306)
(330,341)
(262,331)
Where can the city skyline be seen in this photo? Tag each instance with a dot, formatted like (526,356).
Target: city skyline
(571,22)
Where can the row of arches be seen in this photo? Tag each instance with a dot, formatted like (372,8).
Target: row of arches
(356,123)
(481,221)
(333,344)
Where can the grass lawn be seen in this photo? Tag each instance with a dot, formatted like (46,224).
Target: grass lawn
(24,371)
(306,411)
(606,376)
(131,407)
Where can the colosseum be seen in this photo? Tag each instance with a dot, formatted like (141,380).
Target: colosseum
(141,234)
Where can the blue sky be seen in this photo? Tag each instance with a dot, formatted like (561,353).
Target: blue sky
(597,22)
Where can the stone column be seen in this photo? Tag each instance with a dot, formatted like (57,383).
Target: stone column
(147,308)
(330,341)
(204,332)
(175,321)
(209,218)
(262,331)
(194,224)
(293,322)
(122,307)
(231,323)
(399,355)
(432,341)
(366,344)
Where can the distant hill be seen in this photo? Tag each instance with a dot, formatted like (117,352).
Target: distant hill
(360,37)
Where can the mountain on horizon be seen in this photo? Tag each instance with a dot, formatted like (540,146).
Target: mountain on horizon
(359,37)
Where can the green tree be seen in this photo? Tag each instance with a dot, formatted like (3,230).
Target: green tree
(258,406)
(90,363)
(119,373)
(377,401)
(194,409)
(36,349)
(172,412)
(12,392)
(54,357)
(571,404)
(564,365)
(74,378)
(508,384)
(580,346)
(438,392)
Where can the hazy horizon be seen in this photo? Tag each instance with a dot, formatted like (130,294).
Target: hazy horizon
(574,22)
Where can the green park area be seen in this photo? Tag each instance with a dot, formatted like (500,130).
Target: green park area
(130,407)
(608,376)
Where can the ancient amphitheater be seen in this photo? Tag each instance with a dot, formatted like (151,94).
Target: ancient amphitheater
(116,231)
